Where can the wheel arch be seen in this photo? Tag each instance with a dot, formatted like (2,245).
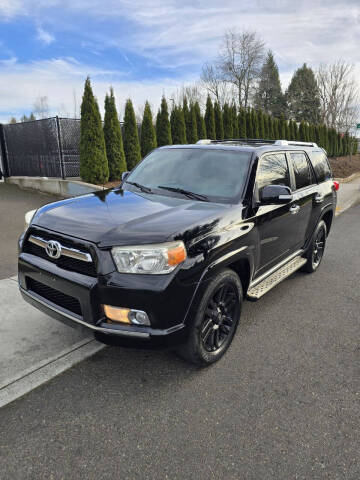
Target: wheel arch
(328,217)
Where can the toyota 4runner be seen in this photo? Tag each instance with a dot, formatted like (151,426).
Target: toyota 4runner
(167,258)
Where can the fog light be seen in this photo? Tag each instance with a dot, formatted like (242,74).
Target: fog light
(126,315)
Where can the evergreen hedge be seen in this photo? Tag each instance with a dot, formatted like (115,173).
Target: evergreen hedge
(163,130)
(210,120)
(178,128)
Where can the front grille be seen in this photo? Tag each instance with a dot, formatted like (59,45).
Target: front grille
(67,263)
(61,299)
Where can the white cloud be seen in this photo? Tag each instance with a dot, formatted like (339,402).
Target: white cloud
(21,84)
(44,36)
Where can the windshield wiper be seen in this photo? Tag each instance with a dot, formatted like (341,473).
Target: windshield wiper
(197,196)
(140,187)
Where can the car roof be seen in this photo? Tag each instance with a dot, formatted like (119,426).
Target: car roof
(258,148)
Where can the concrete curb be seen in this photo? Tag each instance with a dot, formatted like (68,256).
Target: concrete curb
(47,370)
(54,186)
(348,179)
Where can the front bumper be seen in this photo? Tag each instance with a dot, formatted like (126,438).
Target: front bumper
(91,292)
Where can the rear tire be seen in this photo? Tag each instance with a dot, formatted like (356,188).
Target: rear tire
(316,248)
(216,320)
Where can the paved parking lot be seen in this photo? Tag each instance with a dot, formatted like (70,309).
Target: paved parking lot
(284,403)
(14,203)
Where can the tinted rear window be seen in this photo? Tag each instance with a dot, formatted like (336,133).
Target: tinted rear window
(301,169)
(321,166)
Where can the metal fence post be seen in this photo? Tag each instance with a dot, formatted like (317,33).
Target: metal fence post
(4,159)
(61,156)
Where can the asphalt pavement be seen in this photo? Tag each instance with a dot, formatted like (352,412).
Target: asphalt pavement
(14,203)
(282,404)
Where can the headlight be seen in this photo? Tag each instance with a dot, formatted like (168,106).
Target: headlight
(160,258)
(28,217)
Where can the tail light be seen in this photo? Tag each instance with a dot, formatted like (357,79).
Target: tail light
(336,185)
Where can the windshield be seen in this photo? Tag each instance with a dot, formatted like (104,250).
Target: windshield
(215,175)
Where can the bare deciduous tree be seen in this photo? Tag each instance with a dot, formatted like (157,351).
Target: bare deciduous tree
(241,58)
(41,107)
(192,92)
(339,95)
(213,80)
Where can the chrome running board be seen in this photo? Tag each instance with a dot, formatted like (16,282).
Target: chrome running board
(257,291)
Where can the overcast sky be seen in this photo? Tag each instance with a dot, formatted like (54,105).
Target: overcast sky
(146,48)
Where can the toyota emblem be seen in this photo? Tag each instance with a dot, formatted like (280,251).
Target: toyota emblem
(53,249)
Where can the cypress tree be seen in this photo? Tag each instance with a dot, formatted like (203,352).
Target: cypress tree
(235,123)
(94,166)
(131,136)
(200,122)
(186,113)
(163,131)
(242,123)
(192,137)
(219,126)
(302,131)
(261,123)
(302,96)
(113,139)
(255,123)
(272,128)
(276,129)
(227,121)
(282,127)
(147,133)
(249,124)
(210,120)
(269,96)
(178,129)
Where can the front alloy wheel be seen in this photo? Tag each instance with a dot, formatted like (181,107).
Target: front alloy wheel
(216,320)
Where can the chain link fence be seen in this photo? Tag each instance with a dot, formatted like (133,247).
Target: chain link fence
(44,148)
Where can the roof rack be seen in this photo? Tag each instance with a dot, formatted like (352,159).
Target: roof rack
(258,141)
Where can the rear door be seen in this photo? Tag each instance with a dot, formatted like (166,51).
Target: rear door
(305,190)
(276,224)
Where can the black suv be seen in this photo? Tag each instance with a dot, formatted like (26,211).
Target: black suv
(167,258)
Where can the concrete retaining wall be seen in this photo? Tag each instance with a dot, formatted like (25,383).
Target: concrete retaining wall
(54,186)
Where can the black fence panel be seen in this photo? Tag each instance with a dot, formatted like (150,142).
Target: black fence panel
(69,129)
(32,148)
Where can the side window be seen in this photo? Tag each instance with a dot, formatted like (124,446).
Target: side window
(273,170)
(302,171)
(321,166)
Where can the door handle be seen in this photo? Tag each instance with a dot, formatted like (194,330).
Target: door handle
(319,198)
(294,209)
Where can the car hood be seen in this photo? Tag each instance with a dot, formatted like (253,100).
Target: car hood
(121,217)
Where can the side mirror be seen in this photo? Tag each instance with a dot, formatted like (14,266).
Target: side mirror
(275,194)
(124,175)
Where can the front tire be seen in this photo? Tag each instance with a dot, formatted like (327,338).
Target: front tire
(316,249)
(216,320)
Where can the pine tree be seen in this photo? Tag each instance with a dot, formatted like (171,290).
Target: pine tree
(32,117)
(210,120)
(219,126)
(147,133)
(242,123)
(200,122)
(113,139)
(192,136)
(269,96)
(94,166)
(234,119)
(302,96)
(131,136)
(178,129)
(227,121)
(163,131)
